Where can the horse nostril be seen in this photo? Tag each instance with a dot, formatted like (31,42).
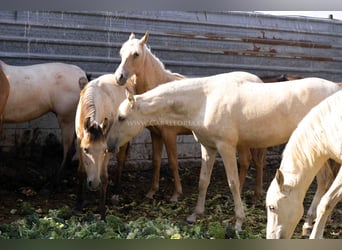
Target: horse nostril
(90,184)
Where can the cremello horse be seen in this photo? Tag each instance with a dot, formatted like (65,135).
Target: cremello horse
(148,72)
(4,92)
(96,110)
(317,138)
(224,112)
(41,88)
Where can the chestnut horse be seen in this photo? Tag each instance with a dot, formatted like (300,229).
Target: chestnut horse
(96,110)
(4,92)
(224,112)
(317,138)
(42,88)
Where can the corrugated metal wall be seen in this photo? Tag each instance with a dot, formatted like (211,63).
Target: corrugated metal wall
(190,43)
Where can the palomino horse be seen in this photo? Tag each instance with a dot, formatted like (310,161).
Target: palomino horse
(4,92)
(41,88)
(317,138)
(138,62)
(147,72)
(258,155)
(224,112)
(96,110)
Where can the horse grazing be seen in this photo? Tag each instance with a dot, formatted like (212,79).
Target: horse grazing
(224,111)
(4,92)
(41,88)
(96,110)
(317,138)
(148,72)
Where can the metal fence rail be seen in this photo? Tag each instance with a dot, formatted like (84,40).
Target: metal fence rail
(190,43)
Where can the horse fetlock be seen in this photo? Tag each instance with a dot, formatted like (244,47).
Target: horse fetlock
(191,218)
(238,224)
(150,194)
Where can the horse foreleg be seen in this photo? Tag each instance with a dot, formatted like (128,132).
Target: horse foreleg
(81,186)
(259,159)
(324,178)
(245,160)
(170,141)
(157,147)
(103,195)
(326,205)
(208,159)
(228,153)
(121,157)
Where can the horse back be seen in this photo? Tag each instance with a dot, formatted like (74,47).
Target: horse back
(37,89)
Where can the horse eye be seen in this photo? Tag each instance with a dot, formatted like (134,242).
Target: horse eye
(136,54)
(85,150)
(106,151)
(271,208)
(121,118)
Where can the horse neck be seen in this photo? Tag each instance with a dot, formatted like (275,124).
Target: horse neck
(169,105)
(152,74)
(302,159)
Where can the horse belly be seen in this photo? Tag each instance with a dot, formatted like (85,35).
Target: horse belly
(25,109)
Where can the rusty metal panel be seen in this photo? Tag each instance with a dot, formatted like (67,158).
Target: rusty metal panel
(190,43)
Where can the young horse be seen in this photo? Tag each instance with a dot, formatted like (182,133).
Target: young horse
(148,72)
(224,112)
(4,92)
(317,138)
(41,88)
(96,110)
(258,155)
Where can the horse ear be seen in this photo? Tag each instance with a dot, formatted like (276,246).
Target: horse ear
(105,126)
(280,178)
(144,39)
(132,36)
(130,97)
(87,123)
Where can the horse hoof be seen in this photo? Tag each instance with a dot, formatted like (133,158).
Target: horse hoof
(306,230)
(115,199)
(174,198)
(238,226)
(150,194)
(191,218)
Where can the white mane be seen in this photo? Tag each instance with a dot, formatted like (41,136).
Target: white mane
(312,141)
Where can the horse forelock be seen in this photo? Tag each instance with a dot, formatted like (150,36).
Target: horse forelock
(95,133)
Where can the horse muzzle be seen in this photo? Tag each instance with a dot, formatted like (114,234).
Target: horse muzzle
(93,185)
(121,78)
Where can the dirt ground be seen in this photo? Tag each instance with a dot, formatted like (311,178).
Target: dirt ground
(28,178)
